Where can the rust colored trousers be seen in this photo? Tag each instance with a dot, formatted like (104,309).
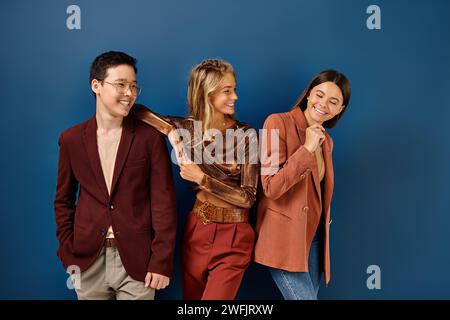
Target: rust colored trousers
(214,258)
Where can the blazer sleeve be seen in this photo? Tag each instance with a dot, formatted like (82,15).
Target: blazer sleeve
(163,210)
(278,172)
(66,190)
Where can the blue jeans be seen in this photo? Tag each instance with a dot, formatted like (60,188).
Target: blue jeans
(302,285)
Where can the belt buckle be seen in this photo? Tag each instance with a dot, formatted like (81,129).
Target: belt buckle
(205,212)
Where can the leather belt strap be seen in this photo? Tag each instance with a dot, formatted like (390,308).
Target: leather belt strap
(110,242)
(209,213)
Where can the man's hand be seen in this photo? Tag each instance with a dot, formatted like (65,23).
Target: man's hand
(156,281)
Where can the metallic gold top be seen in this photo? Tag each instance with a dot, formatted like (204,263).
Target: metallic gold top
(231,169)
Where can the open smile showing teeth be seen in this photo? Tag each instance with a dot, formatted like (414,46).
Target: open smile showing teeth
(320,111)
(125,103)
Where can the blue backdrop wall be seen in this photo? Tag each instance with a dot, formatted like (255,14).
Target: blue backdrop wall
(391,206)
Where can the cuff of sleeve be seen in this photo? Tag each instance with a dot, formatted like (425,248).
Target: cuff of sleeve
(309,159)
(163,271)
(204,181)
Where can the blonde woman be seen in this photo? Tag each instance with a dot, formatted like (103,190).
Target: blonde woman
(219,155)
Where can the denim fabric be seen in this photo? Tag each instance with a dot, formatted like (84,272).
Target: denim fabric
(302,285)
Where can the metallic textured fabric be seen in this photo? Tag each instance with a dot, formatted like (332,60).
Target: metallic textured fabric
(232,175)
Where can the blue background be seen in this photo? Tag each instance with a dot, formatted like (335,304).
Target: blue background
(391,202)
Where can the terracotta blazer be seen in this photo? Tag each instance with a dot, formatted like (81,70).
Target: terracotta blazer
(292,202)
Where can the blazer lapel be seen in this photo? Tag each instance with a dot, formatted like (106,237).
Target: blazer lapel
(90,142)
(301,125)
(124,148)
(329,173)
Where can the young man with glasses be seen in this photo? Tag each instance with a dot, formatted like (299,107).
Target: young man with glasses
(115,202)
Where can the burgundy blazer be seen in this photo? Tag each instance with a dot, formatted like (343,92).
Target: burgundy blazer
(141,207)
(292,203)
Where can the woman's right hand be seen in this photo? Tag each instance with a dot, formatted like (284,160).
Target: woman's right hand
(314,137)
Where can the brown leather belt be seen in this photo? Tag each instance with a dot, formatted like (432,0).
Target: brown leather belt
(110,242)
(209,213)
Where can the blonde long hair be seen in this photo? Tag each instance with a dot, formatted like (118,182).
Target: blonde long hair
(206,78)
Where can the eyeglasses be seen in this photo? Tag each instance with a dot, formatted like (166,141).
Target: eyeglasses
(122,87)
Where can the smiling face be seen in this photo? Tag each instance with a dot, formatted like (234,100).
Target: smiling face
(325,101)
(225,97)
(109,98)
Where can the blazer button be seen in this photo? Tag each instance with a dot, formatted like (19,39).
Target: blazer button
(305,208)
(111,207)
(103,232)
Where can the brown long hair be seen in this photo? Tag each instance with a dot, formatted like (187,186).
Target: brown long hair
(328,76)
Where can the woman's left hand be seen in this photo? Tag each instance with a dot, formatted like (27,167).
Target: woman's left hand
(191,172)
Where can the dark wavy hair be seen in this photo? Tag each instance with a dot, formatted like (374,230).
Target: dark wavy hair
(328,76)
